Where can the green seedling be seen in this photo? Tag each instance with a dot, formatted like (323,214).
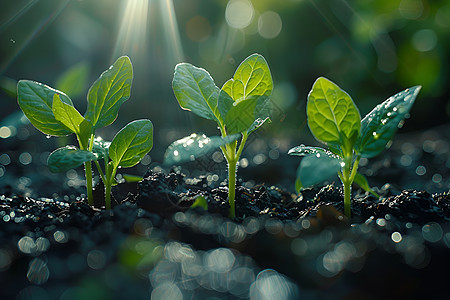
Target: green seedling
(334,120)
(241,106)
(52,112)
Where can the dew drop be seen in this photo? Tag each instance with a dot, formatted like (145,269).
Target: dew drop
(175,153)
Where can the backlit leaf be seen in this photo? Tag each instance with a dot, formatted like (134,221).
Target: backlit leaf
(36,99)
(67,114)
(109,92)
(69,157)
(246,97)
(196,145)
(379,126)
(195,90)
(332,115)
(131,143)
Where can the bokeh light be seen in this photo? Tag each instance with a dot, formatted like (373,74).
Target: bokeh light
(269,24)
(239,13)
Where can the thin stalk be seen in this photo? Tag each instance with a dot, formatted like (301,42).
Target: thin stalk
(354,168)
(99,169)
(232,166)
(88,171)
(108,195)
(241,145)
(346,181)
(110,173)
(347,193)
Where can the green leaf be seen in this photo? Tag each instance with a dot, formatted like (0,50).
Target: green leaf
(303,150)
(101,147)
(258,123)
(195,90)
(74,81)
(361,180)
(246,97)
(131,143)
(298,185)
(379,126)
(200,201)
(335,148)
(36,99)
(196,145)
(86,130)
(317,168)
(332,115)
(67,114)
(132,178)
(69,157)
(109,92)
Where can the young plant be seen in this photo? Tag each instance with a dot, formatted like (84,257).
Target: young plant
(239,107)
(52,112)
(334,120)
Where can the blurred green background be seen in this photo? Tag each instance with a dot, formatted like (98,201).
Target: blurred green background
(372,49)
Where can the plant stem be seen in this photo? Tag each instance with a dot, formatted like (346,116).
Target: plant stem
(347,182)
(88,171)
(347,200)
(108,195)
(110,172)
(84,145)
(232,156)
(232,168)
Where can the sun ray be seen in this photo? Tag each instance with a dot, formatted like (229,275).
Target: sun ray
(132,36)
(18,14)
(171,33)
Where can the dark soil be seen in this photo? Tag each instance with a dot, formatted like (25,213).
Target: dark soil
(280,246)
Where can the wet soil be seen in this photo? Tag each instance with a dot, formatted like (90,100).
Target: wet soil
(280,246)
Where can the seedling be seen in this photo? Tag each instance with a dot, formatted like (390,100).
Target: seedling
(52,112)
(241,106)
(334,120)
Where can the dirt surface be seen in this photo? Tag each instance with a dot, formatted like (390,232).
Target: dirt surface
(283,245)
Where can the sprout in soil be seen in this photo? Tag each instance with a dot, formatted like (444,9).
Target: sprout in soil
(52,112)
(334,120)
(241,106)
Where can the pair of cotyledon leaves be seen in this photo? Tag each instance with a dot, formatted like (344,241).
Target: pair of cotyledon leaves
(241,105)
(52,112)
(334,119)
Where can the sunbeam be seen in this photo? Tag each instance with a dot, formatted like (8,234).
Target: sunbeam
(132,36)
(18,14)
(171,33)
